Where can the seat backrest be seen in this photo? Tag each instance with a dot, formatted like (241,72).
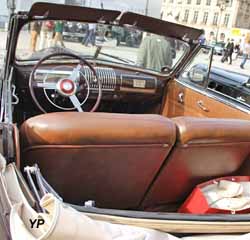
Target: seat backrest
(109,158)
(206,148)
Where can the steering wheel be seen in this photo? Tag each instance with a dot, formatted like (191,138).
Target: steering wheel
(67,87)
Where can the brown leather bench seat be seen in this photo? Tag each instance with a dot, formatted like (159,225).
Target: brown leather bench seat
(109,158)
(206,148)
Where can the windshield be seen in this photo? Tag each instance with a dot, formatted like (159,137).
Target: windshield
(108,43)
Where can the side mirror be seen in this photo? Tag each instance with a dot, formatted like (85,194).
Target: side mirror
(247,84)
(197,75)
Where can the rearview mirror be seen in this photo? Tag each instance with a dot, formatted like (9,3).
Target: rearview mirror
(166,69)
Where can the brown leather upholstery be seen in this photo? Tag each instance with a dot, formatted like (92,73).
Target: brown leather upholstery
(192,130)
(206,148)
(110,158)
(97,128)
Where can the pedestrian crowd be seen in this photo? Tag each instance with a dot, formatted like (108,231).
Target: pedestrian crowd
(50,33)
(232,50)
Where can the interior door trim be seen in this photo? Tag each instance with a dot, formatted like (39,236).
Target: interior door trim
(206,92)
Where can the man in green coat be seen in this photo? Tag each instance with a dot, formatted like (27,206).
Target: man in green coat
(58,33)
(155,53)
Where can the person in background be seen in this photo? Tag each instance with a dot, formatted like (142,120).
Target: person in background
(225,54)
(242,43)
(90,37)
(231,50)
(246,53)
(34,31)
(202,38)
(228,51)
(46,34)
(237,49)
(155,53)
(58,33)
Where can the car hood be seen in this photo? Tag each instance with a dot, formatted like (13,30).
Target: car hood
(53,11)
(226,77)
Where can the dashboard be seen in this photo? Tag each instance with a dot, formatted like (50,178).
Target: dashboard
(123,90)
(111,80)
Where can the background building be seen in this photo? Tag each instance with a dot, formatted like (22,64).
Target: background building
(219,18)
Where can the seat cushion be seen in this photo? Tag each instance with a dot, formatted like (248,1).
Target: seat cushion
(191,130)
(109,158)
(75,128)
(205,148)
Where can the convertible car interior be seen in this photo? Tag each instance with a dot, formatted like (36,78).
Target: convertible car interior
(147,137)
(127,161)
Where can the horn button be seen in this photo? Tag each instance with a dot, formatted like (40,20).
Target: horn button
(66,87)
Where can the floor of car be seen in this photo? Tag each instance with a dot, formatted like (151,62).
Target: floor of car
(171,208)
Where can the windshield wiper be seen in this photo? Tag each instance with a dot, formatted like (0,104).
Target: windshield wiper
(98,52)
(118,58)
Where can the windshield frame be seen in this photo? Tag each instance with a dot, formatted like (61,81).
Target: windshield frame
(50,11)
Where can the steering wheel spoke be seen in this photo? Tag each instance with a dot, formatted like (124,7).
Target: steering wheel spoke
(75,101)
(45,85)
(75,73)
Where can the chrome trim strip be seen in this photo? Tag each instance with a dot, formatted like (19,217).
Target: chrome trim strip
(103,89)
(59,72)
(107,76)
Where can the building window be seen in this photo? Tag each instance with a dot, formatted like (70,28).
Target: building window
(198,2)
(205,17)
(215,20)
(189,1)
(196,13)
(75,2)
(228,3)
(186,16)
(208,2)
(226,19)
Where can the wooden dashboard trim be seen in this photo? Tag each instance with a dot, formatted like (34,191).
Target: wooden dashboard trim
(137,90)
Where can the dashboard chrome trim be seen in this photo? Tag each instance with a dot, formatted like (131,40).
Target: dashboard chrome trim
(111,80)
(106,75)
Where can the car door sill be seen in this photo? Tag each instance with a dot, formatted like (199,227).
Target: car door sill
(172,222)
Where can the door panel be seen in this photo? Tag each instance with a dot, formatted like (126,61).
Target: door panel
(197,103)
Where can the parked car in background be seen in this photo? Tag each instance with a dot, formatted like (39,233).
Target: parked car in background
(218,47)
(232,86)
(73,31)
(3,22)
(129,37)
